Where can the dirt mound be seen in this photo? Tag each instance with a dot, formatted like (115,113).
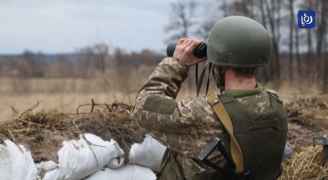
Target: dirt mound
(44,132)
(306,164)
(308,118)
(311,111)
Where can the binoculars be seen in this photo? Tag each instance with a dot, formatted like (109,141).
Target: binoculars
(200,51)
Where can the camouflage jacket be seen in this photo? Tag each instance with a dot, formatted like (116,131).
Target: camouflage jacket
(188,125)
(175,123)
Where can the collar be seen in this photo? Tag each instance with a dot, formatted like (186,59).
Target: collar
(243,93)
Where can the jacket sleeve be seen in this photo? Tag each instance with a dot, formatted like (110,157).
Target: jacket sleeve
(176,123)
(165,81)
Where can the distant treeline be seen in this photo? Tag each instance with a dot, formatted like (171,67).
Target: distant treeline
(87,62)
(100,60)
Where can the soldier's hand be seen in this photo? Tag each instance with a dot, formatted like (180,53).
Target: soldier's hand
(184,51)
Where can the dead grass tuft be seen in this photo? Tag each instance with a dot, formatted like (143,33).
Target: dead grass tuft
(307,164)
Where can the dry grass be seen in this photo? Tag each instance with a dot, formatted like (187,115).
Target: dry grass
(307,164)
(290,92)
(65,95)
(62,94)
(11,105)
(44,132)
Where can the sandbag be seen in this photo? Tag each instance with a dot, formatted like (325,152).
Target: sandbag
(16,162)
(148,154)
(81,158)
(128,172)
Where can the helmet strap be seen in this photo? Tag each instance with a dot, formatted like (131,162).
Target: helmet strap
(208,78)
(219,75)
(221,82)
(200,79)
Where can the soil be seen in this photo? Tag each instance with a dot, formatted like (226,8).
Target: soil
(308,118)
(44,132)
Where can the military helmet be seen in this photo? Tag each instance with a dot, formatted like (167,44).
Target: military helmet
(239,41)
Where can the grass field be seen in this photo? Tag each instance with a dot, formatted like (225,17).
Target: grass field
(66,94)
(61,102)
(62,95)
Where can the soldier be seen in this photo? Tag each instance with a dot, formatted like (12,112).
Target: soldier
(251,122)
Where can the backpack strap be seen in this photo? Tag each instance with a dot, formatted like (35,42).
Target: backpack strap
(224,118)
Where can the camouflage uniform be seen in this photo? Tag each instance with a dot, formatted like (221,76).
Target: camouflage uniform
(158,111)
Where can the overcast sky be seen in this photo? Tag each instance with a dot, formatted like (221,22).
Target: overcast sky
(66,25)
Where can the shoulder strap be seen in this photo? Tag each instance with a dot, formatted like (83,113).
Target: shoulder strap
(224,118)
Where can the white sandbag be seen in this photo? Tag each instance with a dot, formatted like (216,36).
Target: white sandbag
(44,167)
(149,153)
(81,158)
(16,163)
(128,172)
(47,166)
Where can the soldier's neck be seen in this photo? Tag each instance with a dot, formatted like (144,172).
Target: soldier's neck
(234,82)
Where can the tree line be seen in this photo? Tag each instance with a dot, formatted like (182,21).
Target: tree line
(91,61)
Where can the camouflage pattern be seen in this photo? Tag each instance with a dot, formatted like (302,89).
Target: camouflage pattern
(179,124)
(260,127)
(188,125)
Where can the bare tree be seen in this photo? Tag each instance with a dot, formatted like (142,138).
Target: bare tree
(269,12)
(35,64)
(225,7)
(273,9)
(322,43)
(243,7)
(291,39)
(218,9)
(298,55)
(101,52)
(95,57)
(182,19)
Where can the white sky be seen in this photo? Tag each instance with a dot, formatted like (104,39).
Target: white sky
(66,25)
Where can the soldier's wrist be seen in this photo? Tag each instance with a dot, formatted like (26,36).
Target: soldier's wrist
(175,62)
(179,63)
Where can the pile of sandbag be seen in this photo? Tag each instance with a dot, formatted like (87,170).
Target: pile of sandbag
(16,162)
(89,158)
(44,132)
